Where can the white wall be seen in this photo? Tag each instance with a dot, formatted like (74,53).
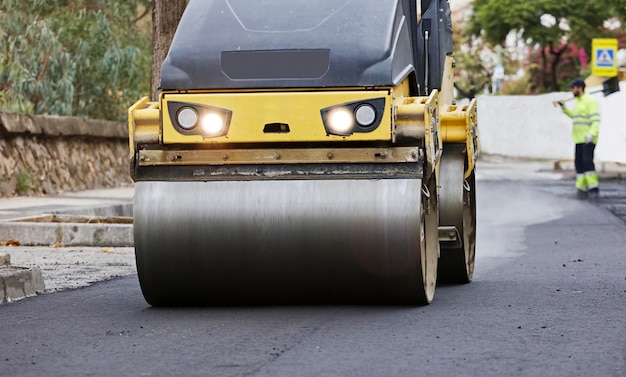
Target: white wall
(531,127)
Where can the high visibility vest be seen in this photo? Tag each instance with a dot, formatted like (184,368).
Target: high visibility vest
(586,117)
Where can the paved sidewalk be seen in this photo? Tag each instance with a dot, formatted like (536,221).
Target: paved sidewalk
(90,202)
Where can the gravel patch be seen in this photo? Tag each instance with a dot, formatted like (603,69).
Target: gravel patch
(74,267)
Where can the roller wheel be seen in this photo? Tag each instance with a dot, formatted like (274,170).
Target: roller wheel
(429,239)
(458,209)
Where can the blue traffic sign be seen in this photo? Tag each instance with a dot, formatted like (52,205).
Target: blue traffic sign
(605,57)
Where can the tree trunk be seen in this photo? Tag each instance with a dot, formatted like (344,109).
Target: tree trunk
(165,17)
(544,70)
(555,66)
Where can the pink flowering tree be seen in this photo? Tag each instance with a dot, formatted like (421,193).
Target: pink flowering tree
(551,29)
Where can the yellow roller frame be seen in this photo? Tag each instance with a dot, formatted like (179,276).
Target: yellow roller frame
(459,125)
(252,111)
(404,117)
(418,118)
(143,124)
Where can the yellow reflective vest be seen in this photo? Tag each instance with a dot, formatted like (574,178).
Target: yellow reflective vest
(586,117)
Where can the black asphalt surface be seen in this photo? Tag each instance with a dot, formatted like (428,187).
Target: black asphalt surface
(612,193)
(548,299)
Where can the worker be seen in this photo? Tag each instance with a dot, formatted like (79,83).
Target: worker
(585,115)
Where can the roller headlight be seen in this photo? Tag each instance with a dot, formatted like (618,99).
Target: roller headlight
(341,121)
(198,119)
(365,115)
(187,118)
(347,118)
(213,124)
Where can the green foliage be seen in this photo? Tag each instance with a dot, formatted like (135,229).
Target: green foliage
(575,22)
(476,59)
(517,87)
(25,182)
(472,72)
(585,19)
(87,58)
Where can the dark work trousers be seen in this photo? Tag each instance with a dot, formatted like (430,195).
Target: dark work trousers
(586,176)
(584,158)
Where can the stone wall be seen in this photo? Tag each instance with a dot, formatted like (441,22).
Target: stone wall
(43,155)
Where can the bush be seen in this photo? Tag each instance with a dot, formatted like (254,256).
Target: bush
(82,58)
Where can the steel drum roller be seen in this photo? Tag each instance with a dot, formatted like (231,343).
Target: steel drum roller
(457,208)
(233,242)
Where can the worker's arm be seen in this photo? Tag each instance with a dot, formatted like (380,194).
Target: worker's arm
(566,111)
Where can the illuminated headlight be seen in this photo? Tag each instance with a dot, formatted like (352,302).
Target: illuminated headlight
(213,124)
(365,115)
(340,121)
(199,119)
(359,116)
(187,118)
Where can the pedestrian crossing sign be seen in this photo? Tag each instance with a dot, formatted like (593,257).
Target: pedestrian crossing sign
(604,57)
(603,60)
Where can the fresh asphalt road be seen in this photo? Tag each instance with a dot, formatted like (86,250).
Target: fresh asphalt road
(548,299)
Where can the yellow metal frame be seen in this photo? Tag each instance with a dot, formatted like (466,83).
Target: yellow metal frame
(418,118)
(143,123)
(458,123)
(433,131)
(269,156)
(252,111)
(433,119)
(472,141)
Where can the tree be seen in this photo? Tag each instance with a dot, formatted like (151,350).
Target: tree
(555,70)
(476,60)
(551,25)
(165,18)
(87,58)
(472,72)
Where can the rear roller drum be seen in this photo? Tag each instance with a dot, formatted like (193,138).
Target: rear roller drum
(458,216)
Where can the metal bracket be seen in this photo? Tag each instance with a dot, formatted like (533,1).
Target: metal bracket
(449,237)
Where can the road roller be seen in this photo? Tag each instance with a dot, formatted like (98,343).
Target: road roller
(305,152)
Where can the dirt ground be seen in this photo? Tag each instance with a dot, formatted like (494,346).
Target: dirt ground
(74,267)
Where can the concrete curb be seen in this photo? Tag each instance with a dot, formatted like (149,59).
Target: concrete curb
(69,231)
(18,282)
